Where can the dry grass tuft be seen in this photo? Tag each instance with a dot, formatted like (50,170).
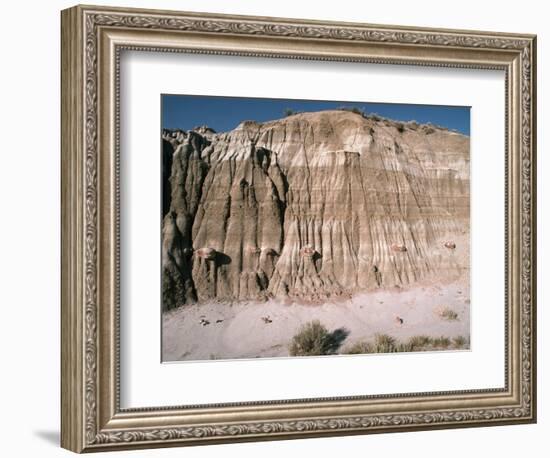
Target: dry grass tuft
(359,348)
(420,342)
(446,313)
(384,343)
(461,342)
(441,342)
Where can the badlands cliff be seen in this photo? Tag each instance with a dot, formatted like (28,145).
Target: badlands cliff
(310,207)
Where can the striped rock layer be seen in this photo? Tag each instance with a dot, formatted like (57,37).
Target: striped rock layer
(310,207)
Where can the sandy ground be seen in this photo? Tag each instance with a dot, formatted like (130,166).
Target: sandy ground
(238,330)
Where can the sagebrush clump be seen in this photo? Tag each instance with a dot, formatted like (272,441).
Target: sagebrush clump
(314,339)
(289,112)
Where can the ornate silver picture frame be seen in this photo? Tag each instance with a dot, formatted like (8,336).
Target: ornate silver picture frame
(93,39)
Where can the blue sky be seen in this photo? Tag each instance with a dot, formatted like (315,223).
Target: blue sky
(225,113)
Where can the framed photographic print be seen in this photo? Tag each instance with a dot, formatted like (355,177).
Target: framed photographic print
(277,228)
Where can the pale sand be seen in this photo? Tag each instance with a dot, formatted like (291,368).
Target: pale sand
(243,333)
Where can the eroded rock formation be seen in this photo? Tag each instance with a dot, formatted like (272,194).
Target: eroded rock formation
(311,206)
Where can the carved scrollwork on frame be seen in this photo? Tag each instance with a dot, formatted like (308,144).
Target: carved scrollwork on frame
(95,20)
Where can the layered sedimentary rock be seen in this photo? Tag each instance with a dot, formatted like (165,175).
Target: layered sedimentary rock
(311,206)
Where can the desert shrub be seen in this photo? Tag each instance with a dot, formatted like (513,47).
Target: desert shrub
(313,339)
(420,342)
(289,112)
(359,348)
(447,314)
(383,343)
(441,342)
(400,127)
(355,110)
(460,342)
(404,347)
(310,340)
(374,117)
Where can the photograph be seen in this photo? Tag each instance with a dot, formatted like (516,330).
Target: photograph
(312,228)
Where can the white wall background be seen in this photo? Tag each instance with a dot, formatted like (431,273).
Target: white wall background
(29,242)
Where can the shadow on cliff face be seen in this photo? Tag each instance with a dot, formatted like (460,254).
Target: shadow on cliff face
(222,259)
